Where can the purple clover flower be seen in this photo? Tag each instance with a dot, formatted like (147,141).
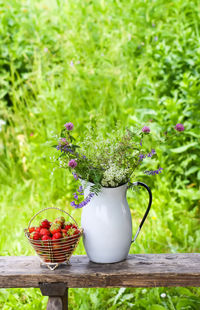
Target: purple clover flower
(64,141)
(146,129)
(72,163)
(69,126)
(179,127)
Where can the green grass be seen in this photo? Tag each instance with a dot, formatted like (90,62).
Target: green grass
(137,62)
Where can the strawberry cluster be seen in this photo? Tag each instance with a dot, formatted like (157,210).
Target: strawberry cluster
(57,229)
(54,241)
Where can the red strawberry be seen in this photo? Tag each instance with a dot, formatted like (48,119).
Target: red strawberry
(45,224)
(76,231)
(56,242)
(31,235)
(55,228)
(74,226)
(59,257)
(35,235)
(64,232)
(56,245)
(67,248)
(57,235)
(71,231)
(37,229)
(44,231)
(60,220)
(31,229)
(47,258)
(46,237)
(68,225)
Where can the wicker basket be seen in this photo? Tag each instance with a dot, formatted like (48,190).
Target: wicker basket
(54,252)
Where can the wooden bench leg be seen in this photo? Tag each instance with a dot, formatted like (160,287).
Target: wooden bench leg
(58,295)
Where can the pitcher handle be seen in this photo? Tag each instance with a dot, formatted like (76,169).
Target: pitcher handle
(148,208)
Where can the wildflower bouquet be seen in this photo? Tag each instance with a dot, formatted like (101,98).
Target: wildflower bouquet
(105,161)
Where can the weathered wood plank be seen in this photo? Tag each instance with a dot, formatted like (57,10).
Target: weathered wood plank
(147,270)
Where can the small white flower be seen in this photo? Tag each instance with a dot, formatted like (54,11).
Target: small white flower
(144,291)
(163,295)
(112,183)
(2,123)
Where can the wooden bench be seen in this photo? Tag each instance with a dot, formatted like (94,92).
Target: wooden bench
(148,270)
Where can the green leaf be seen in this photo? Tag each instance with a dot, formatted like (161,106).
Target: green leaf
(147,111)
(119,294)
(184,147)
(157,307)
(63,154)
(3,92)
(192,170)
(190,133)
(72,138)
(75,146)
(187,303)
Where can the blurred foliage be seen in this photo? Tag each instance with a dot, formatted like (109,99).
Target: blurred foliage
(133,61)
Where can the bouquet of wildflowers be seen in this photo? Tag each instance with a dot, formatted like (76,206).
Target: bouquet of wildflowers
(107,161)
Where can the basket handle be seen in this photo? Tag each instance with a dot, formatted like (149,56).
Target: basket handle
(48,209)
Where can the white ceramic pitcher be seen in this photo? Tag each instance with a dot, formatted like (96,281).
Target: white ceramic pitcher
(107,224)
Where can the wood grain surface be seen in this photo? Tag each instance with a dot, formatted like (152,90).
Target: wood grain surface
(140,270)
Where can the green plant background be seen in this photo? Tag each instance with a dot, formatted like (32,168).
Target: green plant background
(133,61)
